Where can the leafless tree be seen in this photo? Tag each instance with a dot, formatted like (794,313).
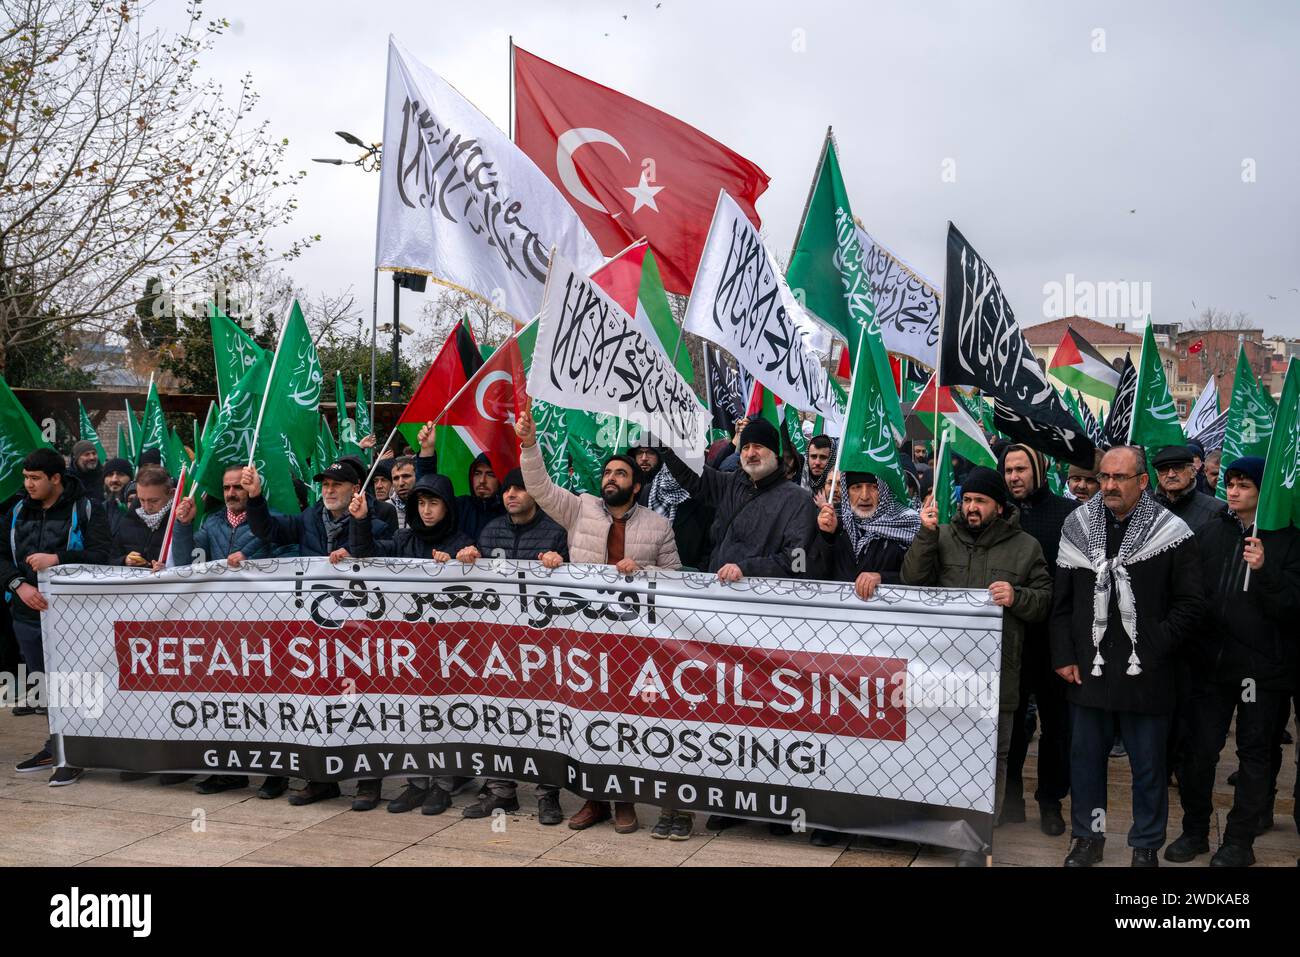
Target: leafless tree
(118,163)
(1219,354)
(443,313)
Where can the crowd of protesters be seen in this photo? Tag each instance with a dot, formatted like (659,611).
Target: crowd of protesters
(1128,627)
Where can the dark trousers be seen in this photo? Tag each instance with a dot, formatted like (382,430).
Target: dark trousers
(1038,678)
(28,634)
(1209,716)
(1145,740)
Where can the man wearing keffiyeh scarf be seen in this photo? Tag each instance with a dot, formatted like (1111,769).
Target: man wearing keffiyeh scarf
(1128,592)
(817,463)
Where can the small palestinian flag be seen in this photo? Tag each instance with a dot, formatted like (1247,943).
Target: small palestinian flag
(1082,367)
(965,434)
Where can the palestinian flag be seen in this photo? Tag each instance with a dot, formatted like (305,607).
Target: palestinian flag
(967,438)
(1082,367)
(457,360)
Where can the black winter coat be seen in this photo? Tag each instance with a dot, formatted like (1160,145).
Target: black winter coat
(523,541)
(1195,508)
(833,557)
(765,528)
(416,540)
(1042,515)
(1170,605)
(133,535)
(472,512)
(1248,634)
(305,531)
(37,529)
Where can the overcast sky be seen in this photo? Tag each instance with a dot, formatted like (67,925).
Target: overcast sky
(1122,165)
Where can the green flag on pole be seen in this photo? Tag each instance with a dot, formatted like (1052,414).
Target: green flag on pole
(868,444)
(828,267)
(294,384)
(1279,495)
(124,446)
(1155,417)
(1251,414)
(233,350)
(155,428)
(362,419)
(348,436)
(944,491)
(19,437)
(88,433)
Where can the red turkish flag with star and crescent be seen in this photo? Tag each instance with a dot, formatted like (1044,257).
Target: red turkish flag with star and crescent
(628,169)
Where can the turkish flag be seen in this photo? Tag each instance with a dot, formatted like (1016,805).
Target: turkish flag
(1196,347)
(486,408)
(628,169)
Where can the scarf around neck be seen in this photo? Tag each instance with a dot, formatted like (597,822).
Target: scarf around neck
(666,495)
(891,520)
(157,518)
(1152,529)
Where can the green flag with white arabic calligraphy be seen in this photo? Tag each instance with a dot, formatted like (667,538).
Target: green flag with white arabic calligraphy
(1155,417)
(88,433)
(19,437)
(294,388)
(1250,419)
(868,444)
(233,350)
(1279,493)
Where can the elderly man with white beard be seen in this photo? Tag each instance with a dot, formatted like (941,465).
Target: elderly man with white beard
(765,524)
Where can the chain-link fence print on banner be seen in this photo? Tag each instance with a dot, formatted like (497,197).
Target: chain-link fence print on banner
(776,700)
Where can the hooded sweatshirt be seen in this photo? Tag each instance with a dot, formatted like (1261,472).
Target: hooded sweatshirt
(416,540)
(472,512)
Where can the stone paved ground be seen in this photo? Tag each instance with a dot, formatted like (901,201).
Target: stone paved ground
(103,821)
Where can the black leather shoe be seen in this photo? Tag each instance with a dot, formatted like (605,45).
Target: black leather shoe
(1050,821)
(1186,848)
(217,783)
(1085,852)
(823,838)
(272,788)
(972,859)
(412,796)
(367,798)
(1145,857)
(488,803)
(548,809)
(436,801)
(1013,812)
(313,792)
(1233,855)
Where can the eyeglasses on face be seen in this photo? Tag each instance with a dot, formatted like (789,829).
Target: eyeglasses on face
(1104,477)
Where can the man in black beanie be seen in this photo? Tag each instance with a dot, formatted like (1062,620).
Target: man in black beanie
(765,524)
(964,554)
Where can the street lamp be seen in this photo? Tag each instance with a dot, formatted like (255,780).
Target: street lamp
(368,160)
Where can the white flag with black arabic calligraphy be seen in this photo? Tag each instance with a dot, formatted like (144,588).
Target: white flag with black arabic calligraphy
(460,203)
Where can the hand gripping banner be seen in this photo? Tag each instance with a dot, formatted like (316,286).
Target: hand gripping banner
(776,700)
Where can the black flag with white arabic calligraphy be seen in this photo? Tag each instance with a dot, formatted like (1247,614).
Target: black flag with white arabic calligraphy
(1120,419)
(982,346)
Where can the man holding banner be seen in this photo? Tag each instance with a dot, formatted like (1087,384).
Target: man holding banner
(984,548)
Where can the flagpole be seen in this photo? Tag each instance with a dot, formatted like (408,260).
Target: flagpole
(510,108)
(848,412)
(1254,533)
(378,456)
(270,377)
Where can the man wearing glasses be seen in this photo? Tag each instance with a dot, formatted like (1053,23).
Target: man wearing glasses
(1128,592)
(1176,488)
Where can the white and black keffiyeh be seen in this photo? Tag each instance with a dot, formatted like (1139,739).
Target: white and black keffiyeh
(156,519)
(1151,530)
(666,494)
(818,484)
(891,520)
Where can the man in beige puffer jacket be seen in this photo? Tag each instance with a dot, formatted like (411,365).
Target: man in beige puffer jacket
(607,530)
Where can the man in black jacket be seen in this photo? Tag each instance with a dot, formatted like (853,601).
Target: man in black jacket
(483,503)
(138,538)
(115,494)
(1128,592)
(765,524)
(1042,515)
(1176,488)
(524,533)
(54,524)
(321,530)
(1243,659)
